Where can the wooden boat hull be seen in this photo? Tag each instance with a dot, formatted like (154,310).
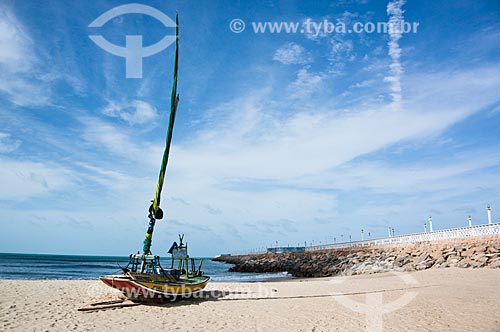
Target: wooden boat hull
(133,288)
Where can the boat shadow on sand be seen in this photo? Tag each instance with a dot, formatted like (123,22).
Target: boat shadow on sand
(192,299)
(172,301)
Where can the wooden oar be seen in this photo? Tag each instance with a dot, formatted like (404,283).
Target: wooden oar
(108,302)
(116,304)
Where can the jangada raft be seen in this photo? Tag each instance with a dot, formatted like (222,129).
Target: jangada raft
(144,276)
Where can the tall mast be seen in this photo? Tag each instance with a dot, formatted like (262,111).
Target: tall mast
(155,212)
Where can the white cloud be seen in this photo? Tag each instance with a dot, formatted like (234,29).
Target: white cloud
(281,148)
(25,179)
(14,44)
(341,50)
(108,136)
(22,92)
(122,142)
(305,84)
(112,179)
(292,53)
(457,174)
(395,12)
(26,77)
(8,144)
(18,64)
(364,84)
(135,112)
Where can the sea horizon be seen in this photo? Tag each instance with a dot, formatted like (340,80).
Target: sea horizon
(24,266)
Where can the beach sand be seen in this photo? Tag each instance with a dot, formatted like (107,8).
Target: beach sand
(432,300)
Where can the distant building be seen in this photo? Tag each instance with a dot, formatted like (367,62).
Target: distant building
(285,249)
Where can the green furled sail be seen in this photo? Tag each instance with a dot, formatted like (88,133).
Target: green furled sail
(155,211)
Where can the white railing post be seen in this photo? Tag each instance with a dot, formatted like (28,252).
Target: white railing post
(489,215)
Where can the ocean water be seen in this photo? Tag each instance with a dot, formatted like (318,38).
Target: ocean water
(36,266)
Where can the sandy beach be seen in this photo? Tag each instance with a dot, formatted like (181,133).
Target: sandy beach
(431,300)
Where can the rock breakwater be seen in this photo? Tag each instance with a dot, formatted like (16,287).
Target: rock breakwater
(463,253)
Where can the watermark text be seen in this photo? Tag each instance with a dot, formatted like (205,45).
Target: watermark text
(324,27)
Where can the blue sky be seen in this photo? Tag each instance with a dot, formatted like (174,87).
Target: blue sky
(279,136)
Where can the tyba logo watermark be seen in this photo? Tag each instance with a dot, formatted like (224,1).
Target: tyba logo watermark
(134,51)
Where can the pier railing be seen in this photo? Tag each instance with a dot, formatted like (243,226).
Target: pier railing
(445,234)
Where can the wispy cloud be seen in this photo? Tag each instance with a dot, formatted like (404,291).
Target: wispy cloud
(135,112)
(304,85)
(395,12)
(292,54)
(7,143)
(120,142)
(341,50)
(364,84)
(457,175)
(25,179)
(18,63)
(28,75)
(286,148)
(15,43)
